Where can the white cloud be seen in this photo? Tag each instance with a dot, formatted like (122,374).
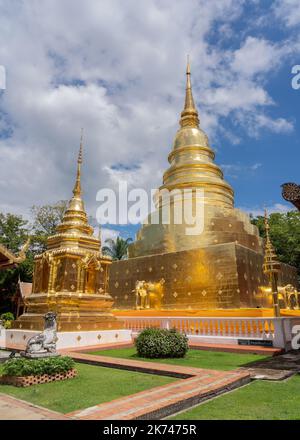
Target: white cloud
(260,210)
(107,233)
(288,11)
(239,94)
(255,166)
(117,69)
(234,170)
(279,125)
(256,55)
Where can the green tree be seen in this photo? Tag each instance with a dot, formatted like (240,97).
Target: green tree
(284,234)
(117,249)
(14,231)
(45,220)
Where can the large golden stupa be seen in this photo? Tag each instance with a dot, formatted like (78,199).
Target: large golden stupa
(71,276)
(221,266)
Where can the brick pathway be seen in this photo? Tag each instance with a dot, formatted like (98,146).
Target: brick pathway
(161,401)
(133,365)
(232,348)
(16,409)
(194,386)
(229,348)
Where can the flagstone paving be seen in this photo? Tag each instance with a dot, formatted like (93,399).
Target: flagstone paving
(275,368)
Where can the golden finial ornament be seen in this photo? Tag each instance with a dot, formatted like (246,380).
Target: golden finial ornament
(75,217)
(77,187)
(271,266)
(189,115)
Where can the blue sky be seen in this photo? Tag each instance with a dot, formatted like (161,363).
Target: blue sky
(117,69)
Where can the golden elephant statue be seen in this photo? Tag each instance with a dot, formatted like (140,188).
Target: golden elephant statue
(149,294)
(290,295)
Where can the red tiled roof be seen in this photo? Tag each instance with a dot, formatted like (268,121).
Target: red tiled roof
(25,289)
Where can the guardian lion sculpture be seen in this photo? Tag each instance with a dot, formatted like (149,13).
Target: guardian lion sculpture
(43,344)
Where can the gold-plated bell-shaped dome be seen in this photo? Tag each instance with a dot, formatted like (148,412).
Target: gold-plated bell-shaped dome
(192,167)
(192,159)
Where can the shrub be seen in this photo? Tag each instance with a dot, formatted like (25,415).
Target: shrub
(157,343)
(7,319)
(36,367)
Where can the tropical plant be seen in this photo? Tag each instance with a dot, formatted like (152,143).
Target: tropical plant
(117,249)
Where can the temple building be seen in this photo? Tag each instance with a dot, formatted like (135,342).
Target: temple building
(221,266)
(71,276)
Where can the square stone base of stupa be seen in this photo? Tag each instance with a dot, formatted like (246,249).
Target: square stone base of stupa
(217,277)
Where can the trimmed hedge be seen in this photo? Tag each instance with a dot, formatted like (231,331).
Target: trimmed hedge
(37,367)
(157,343)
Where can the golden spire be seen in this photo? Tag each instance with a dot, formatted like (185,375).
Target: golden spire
(271,267)
(75,218)
(271,262)
(267,226)
(189,115)
(77,187)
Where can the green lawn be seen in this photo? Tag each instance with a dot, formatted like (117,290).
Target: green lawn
(195,358)
(261,400)
(92,386)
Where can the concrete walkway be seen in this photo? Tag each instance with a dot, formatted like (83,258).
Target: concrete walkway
(16,409)
(276,368)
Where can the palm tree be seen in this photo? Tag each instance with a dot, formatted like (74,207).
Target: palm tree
(117,249)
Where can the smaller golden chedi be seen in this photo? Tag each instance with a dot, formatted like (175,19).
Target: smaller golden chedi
(271,267)
(71,276)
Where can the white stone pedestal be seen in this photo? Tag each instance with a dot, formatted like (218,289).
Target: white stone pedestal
(17,339)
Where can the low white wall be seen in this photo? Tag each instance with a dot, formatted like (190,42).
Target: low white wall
(17,339)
